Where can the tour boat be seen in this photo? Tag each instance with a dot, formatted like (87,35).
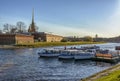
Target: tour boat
(84,55)
(49,52)
(90,47)
(67,54)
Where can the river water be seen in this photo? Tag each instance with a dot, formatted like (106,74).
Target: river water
(26,65)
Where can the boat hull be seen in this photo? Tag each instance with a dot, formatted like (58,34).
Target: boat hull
(65,56)
(48,55)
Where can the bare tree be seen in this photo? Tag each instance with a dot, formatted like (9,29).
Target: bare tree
(21,27)
(36,28)
(13,29)
(88,38)
(0,31)
(7,28)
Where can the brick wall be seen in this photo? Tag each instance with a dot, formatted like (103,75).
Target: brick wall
(53,38)
(7,39)
(24,39)
(12,39)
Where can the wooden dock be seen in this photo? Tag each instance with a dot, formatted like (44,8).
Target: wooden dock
(106,59)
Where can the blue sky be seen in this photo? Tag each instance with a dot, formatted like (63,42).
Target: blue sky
(65,17)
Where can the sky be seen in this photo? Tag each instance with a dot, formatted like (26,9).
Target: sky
(65,17)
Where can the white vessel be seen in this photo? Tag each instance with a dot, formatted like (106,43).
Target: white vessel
(49,52)
(84,55)
(67,54)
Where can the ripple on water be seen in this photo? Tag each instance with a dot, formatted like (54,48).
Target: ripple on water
(25,65)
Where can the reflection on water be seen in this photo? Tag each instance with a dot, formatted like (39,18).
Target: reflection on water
(25,65)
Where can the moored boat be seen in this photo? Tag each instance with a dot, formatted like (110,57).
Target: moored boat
(107,55)
(49,52)
(83,55)
(90,47)
(67,54)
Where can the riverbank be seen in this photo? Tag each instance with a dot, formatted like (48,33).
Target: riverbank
(8,47)
(46,44)
(111,74)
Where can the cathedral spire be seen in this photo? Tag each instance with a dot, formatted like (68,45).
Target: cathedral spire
(33,16)
(32,25)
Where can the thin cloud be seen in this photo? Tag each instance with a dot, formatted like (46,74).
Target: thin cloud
(64,30)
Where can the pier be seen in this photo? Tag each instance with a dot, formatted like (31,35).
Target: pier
(104,59)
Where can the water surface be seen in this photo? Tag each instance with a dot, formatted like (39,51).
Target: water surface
(25,65)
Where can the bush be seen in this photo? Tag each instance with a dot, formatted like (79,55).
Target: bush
(64,40)
(88,38)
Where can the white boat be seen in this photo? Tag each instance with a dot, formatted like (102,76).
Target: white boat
(67,54)
(91,47)
(84,55)
(49,52)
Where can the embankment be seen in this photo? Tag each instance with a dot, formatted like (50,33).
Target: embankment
(46,44)
(111,74)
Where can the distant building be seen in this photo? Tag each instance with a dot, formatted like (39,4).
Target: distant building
(12,39)
(42,36)
(73,39)
(96,38)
